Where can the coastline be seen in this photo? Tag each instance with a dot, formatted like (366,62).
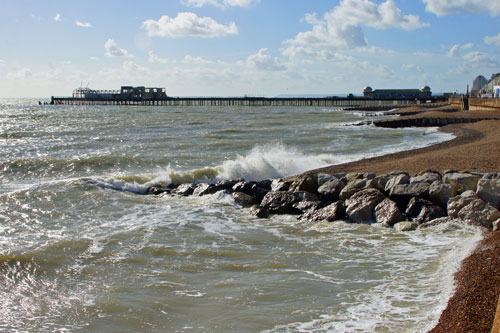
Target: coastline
(475,148)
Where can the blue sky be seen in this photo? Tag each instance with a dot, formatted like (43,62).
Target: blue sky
(246,47)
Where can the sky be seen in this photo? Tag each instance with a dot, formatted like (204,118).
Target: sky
(246,47)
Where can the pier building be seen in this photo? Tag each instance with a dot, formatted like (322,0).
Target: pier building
(424,92)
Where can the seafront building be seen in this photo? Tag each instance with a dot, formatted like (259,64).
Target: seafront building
(125,93)
(492,88)
(397,93)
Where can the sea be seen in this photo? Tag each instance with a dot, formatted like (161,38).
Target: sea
(83,249)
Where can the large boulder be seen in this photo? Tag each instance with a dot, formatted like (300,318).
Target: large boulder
(489,191)
(184,190)
(244,187)
(421,211)
(323,178)
(280,185)
(458,202)
(353,186)
(396,178)
(388,213)
(427,177)
(222,185)
(360,207)
(330,190)
(308,183)
(243,199)
(479,213)
(402,194)
(260,189)
(496,225)
(281,202)
(440,193)
(462,181)
(332,212)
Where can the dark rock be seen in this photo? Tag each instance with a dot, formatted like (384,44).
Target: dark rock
(402,194)
(258,211)
(360,207)
(184,190)
(280,202)
(244,187)
(369,176)
(479,213)
(260,189)
(223,185)
(379,182)
(157,190)
(332,212)
(496,225)
(435,222)
(421,211)
(491,175)
(330,190)
(308,183)
(306,206)
(201,188)
(244,199)
(280,185)
(405,226)
(388,213)
(353,187)
(323,178)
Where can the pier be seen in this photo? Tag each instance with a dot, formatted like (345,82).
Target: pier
(243,101)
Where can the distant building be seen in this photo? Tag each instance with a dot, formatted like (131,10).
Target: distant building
(492,88)
(478,84)
(397,93)
(125,93)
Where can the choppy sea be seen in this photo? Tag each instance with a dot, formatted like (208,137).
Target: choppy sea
(82,250)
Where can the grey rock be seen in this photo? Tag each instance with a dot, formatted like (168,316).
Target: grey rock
(281,202)
(244,187)
(428,177)
(388,213)
(458,202)
(440,193)
(280,185)
(360,207)
(462,181)
(200,189)
(223,185)
(399,178)
(489,191)
(435,222)
(479,213)
(352,187)
(260,189)
(379,182)
(323,178)
(402,194)
(421,211)
(332,212)
(491,175)
(405,226)
(306,206)
(330,190)
(244,199)
(496,225)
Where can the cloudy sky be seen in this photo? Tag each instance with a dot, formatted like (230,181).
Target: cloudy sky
(246,47)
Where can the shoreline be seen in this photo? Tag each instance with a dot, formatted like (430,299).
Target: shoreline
(475,148)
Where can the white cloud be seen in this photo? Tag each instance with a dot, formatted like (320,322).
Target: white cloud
(188,24)
(446,7)
(57,18)
(83,24)
(478,59)
(454,51)
(130,66)
(112,50)
(155,59)
(189,59)
(263,61)
(341,27)
(493,40)
(220,3)
(24,73)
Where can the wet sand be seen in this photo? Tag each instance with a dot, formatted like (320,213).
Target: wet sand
(476,148)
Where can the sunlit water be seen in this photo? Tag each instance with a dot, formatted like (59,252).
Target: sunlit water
(82,250)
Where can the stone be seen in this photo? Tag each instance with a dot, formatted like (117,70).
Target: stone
(200,189)
(323,178)
(306,206)
(360,207)
(258,211)
(280,185)
(479,213)
(440,193)
(402,194)
(489,191)
(223,185)
(157,190)
(458,202)
(184,190)
(352,187)
(330,190)
(260,189)
(332,212)
(281,202)
(462,181)
(496,225)
(421,211)
(308,183)
(435,222)
(243,199)
(244,187)
(491,175)
(379,182)
(405,226)
(399,178)
(388,213)
(428,177)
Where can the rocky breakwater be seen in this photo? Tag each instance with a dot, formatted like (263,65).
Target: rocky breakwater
(397,199)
